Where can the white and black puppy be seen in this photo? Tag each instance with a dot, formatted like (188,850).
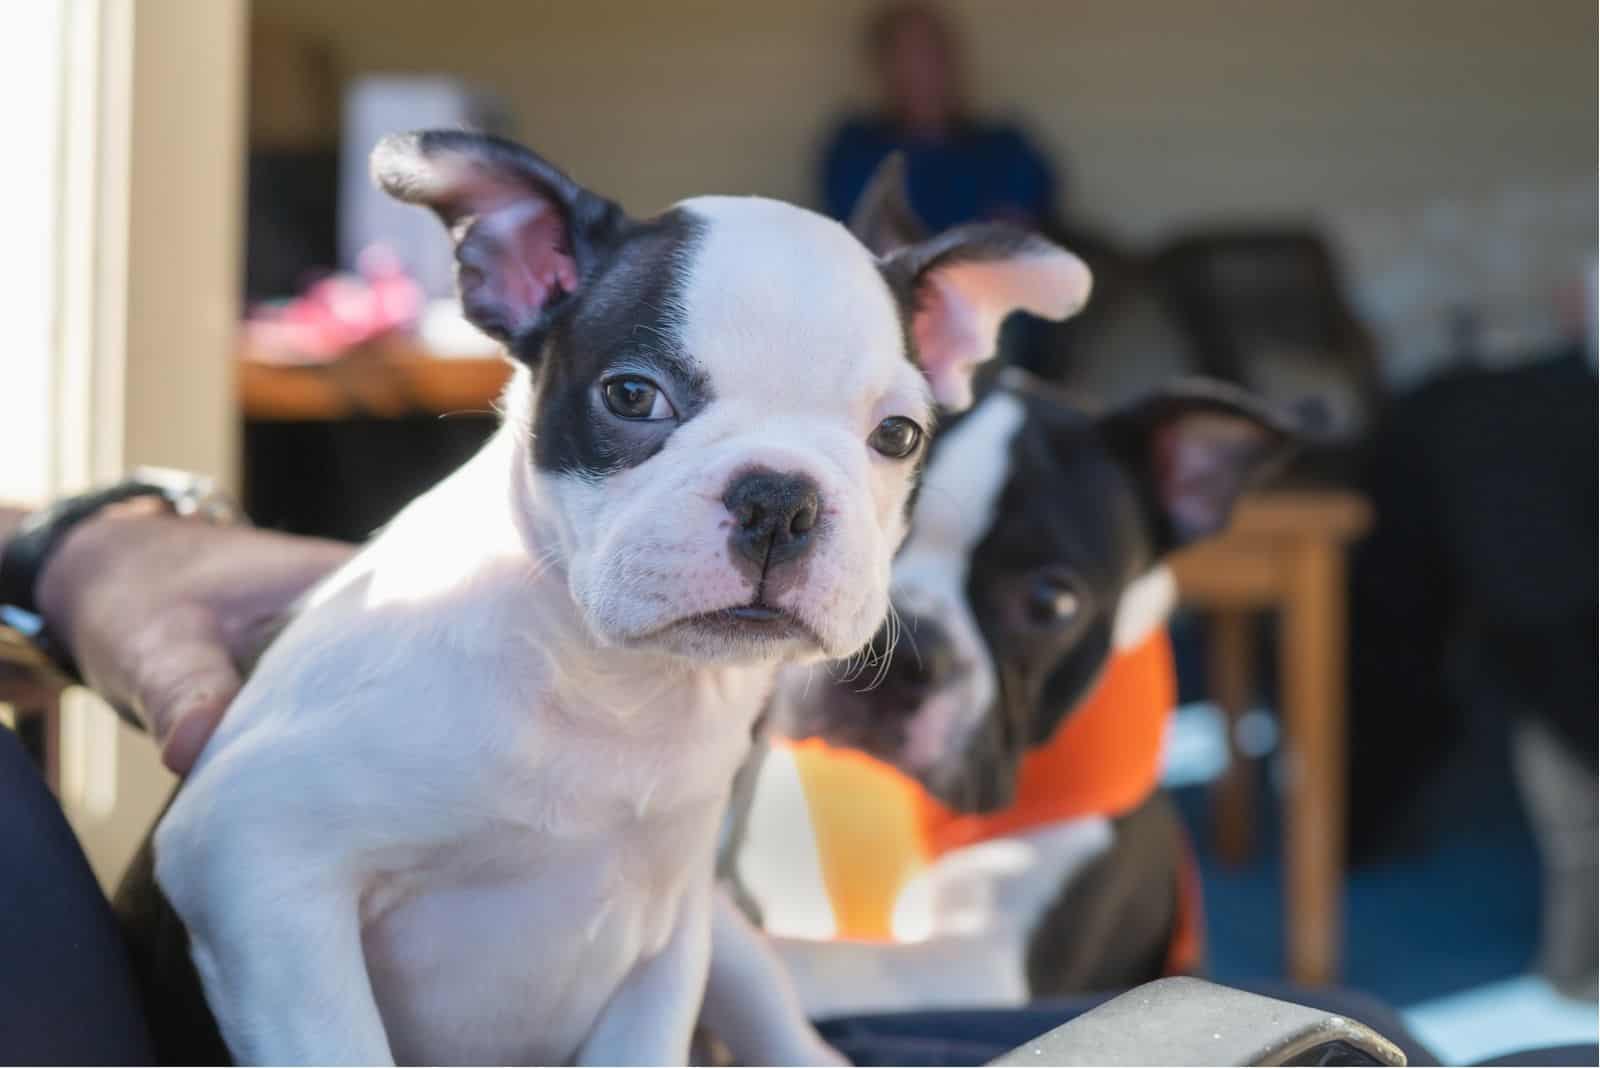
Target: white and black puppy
(466,806)
(1036,551)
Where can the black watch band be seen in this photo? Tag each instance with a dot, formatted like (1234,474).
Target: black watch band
(23,557)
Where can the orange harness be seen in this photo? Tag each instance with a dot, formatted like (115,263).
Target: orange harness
(874,827)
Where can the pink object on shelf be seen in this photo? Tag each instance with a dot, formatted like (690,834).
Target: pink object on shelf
(339,313)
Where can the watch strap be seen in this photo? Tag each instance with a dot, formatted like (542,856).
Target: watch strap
(24,556)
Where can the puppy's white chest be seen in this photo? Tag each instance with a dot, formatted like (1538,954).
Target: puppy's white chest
(512,961)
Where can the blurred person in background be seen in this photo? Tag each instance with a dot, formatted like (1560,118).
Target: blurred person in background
(960,168)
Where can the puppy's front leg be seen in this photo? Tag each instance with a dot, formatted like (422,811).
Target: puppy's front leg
(651,1017)
(751,1005)
(274,930)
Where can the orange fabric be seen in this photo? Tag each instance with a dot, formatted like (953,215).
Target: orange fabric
(875,827)
(1103,760)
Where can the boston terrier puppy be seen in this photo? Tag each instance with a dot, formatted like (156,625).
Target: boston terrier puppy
(465,808)
(1035,555)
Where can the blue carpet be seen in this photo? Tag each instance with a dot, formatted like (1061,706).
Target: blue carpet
(1457,909)
(1454,903)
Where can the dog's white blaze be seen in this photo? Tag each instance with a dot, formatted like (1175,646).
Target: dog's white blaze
(1145,604)
(774,289)
(960,492)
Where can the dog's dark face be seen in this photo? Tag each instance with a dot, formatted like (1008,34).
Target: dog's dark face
(729,402)
(1033,554)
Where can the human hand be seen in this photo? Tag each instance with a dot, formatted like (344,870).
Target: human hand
(159,611)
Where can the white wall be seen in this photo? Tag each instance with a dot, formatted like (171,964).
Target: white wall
(1165,113)
(30,55)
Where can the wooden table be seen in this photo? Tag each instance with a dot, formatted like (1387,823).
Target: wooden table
(1285,551)
(389,377)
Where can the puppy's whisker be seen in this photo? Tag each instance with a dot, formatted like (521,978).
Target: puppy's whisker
(856,663)
(893,628)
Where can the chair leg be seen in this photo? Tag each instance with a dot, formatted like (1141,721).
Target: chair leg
(1559,792)
(39,727)
(1312,671)
(1231,670)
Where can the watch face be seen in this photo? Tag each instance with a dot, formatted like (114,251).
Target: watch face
(191,495)
(21,620)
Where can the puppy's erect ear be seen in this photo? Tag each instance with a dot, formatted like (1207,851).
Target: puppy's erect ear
(884,219)
(961,286)
(1193,448)
(526,235)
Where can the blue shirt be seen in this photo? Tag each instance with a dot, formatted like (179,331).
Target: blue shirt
(979,172)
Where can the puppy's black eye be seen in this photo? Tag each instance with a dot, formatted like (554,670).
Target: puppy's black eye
(896,437)
(636,397)
(1051,600)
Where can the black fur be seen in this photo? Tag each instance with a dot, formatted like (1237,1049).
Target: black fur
(627,317)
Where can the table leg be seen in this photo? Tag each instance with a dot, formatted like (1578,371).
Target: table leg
(1231,672)
(1312,668)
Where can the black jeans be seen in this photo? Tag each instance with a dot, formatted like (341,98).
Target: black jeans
(66,993)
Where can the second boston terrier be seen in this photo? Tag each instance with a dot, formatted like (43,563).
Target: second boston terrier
(1035,559)
(465,809)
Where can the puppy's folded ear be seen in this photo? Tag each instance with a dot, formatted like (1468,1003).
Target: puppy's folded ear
(961,286)
(1193,448)
(526,235)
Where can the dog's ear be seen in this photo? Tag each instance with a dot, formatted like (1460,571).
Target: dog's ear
(961,285)
(526,235)
(1193,448)
(884,219)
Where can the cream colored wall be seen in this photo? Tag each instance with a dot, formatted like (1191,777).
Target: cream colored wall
(1368,116)
(185,228)
(1165,110)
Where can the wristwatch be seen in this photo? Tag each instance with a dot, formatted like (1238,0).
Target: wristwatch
(23,558)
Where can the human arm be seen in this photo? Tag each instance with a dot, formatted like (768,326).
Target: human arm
(158,610)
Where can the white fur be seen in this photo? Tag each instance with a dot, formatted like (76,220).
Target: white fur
(960,491)
(465,809)
(961,927)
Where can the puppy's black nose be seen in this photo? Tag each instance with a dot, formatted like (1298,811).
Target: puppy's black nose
(923,661)
(773,516)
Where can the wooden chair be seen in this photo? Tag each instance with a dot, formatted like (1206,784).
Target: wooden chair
(1265,308)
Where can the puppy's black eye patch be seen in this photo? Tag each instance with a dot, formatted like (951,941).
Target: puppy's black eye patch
(614,381)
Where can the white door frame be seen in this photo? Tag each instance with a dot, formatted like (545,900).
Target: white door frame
(122,296)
